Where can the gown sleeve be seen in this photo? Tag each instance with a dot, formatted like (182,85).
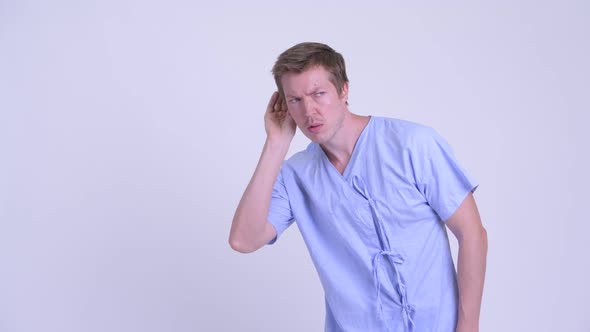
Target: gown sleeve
(440,177)
(280,214)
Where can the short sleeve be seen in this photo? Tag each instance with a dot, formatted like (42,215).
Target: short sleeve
(440,177)
(279,213)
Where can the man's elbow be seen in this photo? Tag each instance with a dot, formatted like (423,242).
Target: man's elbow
(248,240)
(242,246)
(484,238)
(477,236)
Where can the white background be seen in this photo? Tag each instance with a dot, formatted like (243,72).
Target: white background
(129,129)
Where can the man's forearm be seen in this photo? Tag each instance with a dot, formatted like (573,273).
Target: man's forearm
(471,274)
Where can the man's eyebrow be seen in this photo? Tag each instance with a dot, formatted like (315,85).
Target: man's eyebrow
(315,89)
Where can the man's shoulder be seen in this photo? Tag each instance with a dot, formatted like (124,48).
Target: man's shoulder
(304,157)
(404,131)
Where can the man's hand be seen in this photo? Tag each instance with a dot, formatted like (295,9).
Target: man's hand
(278,123)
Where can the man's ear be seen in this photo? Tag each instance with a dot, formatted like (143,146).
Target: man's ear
(344,93)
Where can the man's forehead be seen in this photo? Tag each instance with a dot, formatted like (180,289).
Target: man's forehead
(305,82)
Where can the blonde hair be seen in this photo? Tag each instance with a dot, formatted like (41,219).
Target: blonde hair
(306,55)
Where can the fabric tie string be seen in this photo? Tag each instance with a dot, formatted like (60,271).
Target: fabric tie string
(358,185)
(395,258)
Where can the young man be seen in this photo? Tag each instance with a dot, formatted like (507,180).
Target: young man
(371,197)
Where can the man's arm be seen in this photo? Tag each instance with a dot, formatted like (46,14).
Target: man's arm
(250,228)
(466,225)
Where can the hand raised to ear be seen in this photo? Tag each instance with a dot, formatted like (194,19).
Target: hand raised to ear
(277,121)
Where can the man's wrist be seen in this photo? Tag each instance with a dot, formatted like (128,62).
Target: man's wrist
(464,325)
(277,145)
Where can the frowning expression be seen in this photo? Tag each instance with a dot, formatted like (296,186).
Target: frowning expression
(314,103)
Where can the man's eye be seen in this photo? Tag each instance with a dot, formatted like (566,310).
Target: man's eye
(293,100)
(320,93)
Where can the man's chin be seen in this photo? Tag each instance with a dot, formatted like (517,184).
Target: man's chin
(314,138)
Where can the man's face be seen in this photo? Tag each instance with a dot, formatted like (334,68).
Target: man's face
(314,104)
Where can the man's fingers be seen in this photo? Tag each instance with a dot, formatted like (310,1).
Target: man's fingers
(272,102)
(278,103)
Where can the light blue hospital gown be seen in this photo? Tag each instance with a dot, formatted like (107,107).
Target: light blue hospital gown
(376,233)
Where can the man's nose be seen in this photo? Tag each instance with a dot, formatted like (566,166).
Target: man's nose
(309,106)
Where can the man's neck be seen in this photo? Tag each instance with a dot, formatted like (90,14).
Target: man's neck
(340,149)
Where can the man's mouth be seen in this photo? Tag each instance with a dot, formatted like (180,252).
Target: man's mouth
(314,128)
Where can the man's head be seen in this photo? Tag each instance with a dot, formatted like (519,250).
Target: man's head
(304,56)
(312,80)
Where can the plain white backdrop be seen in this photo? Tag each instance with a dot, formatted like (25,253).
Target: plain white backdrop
(129,129)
